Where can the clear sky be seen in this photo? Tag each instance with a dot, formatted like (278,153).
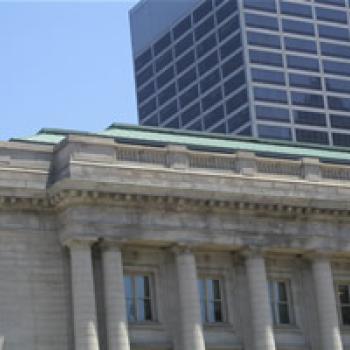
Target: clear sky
(65,64)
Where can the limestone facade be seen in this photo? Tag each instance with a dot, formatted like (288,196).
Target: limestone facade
(78,216)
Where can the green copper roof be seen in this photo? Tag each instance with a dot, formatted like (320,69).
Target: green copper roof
(158,136)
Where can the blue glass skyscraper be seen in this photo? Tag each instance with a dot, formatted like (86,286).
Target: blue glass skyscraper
(266,68)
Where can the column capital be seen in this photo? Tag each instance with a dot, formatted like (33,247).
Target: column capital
(79,242)
(319,255)
(182,248)
(253,252)
(110,244)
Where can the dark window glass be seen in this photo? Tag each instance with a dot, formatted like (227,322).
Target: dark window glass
(168,111)
(173,123)
(148,108)
(336,67)
(226,10)
(332,2)
(294,9)
(236,101)
(300,45)
(228,28)
(260,21)
(234,83)
(185,61)
(246,131)
(340,121)
(272,114)
(268,58)
(335,50)
(146,92)
(260,39)
(165,77)
(162,44)
(188,78)
(184,44)
(152,121)
(208,63)
(265,5)
(202,10)
(232,64)
(144,76)
(166,94)
(143,59)
(190,95)
(164,60)
(212,98)
(218,2)
(340,104)
(270,95)
(311,136)
(331,32)
(206,45)
(305,81)
(298,27)
(238,120)
(327,14)
(230,46)
(310,100)
(338,85)
(343,140)
(309,118)
(182,27)
(213,117)
(304,63)
(190,114)
(210,80)
(268,76)
(274,132)
(196,126)
(219,129)
(204,28)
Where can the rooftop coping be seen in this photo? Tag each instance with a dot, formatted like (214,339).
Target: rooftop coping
(141,135)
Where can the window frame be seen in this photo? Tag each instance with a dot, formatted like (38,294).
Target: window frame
(339,305)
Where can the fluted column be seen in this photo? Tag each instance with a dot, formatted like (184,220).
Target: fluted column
(189,308)
(262,326)
(83,292)
(115,308)
(329,332)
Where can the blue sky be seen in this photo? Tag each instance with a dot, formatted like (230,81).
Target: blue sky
(65,65)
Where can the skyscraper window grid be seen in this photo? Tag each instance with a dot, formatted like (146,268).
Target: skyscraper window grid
(291,59)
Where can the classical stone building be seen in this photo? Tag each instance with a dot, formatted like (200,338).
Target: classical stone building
(150,239)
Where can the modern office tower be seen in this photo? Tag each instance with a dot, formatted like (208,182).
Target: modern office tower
(266,68)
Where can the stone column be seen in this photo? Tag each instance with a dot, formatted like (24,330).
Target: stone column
(329,332)
(262,326)
(115,308)
(189,303)
(83,292)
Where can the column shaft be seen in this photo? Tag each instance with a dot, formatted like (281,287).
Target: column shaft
(117,326)
(84,303)
(326,305)
(262,326)
(190,313)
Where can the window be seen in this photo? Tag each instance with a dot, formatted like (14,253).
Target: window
(340,104)
(266,5)
(226,10)
(210,80)
(138,293)
(234,83)
(336,67)
(164,60)
(189,96)
(270,95)
(230,46)
(331,32)
(184,44)
(144,76)
(280,301)
(309,100)
(327,14)
(300,45)
(340,121)
(298,27)
(210,291)
(231,65)
(166,94)
(272,114)
(265,40)
(208,63)
(146,92)
(206,45)
(274,132)
(338,85)
(213,117)
(212,98)
(335,50)
(305,81)
(268,76)
(188,78)
(344,303)
(332,2)
(293,9)
(303,63)
(202,11)
(143,59)
(268,58)
(148,108)
(185,62)
(260,21)
(239,119)
(165,77)
(204,28)
(162,44)
(228,28)
(312,136)
(182,27)
(342,140)
(168,111)
(191,113)
(309,118)
(236,101)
